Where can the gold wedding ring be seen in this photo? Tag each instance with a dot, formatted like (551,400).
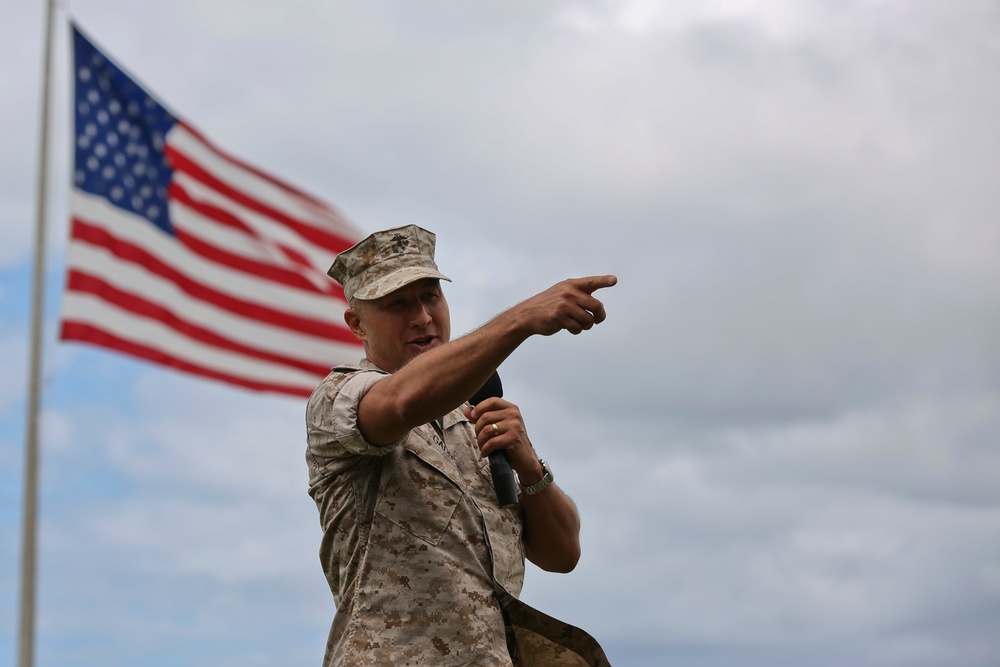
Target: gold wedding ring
(496,429)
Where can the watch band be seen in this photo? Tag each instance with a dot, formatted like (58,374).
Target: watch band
(543,483)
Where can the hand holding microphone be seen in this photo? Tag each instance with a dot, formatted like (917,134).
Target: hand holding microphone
(504,482)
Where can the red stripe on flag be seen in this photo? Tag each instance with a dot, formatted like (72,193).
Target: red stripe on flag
(136,304)
(322,238)
(83,231)
(249,266)
(88,334)
(272,272)
(236,162)
(216,213)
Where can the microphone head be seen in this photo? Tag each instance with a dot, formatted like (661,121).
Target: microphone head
(492,388)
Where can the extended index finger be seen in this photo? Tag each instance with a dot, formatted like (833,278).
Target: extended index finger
(591,284)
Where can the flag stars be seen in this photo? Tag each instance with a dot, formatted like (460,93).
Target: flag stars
(120,138)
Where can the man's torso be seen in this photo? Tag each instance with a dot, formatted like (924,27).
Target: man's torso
(413,538)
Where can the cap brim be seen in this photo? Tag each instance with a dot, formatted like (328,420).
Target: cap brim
(380,287)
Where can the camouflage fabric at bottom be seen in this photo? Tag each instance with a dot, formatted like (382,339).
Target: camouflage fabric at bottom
(544,641)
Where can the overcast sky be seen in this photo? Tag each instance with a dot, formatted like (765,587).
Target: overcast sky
(785,439)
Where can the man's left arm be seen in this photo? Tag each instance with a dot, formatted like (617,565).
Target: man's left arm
(551,529)
(551,521)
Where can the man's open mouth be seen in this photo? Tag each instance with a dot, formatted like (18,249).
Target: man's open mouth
(423,341)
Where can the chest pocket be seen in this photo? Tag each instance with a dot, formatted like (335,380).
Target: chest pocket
(418,494)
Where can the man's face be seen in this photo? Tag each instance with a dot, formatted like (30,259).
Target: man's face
(402,324)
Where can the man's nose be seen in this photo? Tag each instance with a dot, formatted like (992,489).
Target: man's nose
(421,315)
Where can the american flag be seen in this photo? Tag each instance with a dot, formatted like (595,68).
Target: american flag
(185,256)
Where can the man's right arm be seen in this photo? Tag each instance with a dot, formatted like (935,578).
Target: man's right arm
(441,379)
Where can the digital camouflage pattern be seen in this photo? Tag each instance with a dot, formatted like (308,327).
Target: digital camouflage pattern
(414,545)
(424,565)
(386,261)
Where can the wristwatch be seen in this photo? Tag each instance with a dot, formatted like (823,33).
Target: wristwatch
(542,484)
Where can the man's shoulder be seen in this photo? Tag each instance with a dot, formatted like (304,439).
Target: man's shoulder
(343,372)
(340,375)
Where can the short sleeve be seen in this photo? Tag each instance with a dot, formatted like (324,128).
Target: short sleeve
(332,417)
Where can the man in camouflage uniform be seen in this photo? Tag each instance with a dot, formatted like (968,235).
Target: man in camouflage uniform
(424,564)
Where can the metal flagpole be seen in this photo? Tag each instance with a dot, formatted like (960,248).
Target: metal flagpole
(29,540)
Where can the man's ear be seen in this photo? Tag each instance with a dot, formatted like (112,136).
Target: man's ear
(353,321)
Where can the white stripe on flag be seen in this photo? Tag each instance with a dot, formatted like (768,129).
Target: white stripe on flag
(88,309)
(270,231)
(135,280)
(142,233)
(262,189)
(235,241)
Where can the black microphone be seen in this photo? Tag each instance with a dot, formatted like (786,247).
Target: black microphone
(503,475)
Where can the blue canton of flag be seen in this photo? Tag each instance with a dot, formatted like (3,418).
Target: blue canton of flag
(120,137)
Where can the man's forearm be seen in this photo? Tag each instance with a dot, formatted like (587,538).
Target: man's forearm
(437,381)
(551,530)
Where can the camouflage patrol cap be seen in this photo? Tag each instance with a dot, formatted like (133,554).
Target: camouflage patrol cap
(386,261)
